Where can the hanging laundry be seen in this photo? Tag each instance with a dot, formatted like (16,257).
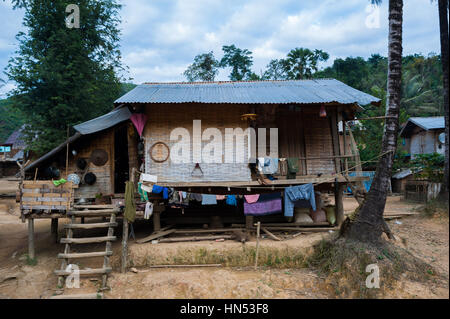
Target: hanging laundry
(220,197)
(296,193)
(142,192)
(292,166)
(267,204)
(208,199)
(251,198)
(268,165)
(130,205)
(176,200)
(158,189)
(231,200)
(139,120)
(195,197)
(148,210)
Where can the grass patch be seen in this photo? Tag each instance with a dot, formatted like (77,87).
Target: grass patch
(343,264)
(437,206)
(269,257)
(30,261)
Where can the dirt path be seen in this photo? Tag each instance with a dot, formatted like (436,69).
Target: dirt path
(426,238)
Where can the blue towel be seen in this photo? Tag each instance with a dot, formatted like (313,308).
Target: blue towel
(208,199)
(295,193)
(231,200)
(158,189)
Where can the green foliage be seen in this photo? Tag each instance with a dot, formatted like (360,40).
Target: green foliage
(240,61)
(64,76)
(300,63)
(204,68)
(421,96)
(429,166)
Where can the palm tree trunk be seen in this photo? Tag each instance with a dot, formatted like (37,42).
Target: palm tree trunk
(369,223)
(443,25)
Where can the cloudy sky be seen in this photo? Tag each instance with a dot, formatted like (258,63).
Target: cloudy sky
(161,37)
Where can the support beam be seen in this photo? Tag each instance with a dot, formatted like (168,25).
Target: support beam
(54,228)
(31,251)
(248,222)
(339,202)
(156,221)
(124,246)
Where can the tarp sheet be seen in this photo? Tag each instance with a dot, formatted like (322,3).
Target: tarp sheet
(103,122)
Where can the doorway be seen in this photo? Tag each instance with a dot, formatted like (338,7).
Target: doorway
(121,167)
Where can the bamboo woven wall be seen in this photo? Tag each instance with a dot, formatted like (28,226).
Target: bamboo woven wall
(318,142)
(105,174)
(163,118)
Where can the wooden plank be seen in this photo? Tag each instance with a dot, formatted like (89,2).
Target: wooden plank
(317,224)
(270,234)
(184,266)
(46,190)
(90,226)
(44,207)
(85,255)
(94,207)
(97,211)
(95,271)
(193,238)
(200,231)
(155,236)
(45,199)
(287,182)
(87,240)
(312,230)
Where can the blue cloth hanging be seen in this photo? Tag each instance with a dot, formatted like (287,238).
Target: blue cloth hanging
(296,193)
(231,200)
(158,189)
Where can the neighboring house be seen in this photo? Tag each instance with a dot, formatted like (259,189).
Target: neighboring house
(423,135)
(10,152)
(401,178)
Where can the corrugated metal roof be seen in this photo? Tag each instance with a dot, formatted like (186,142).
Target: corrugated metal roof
(248,92)
(429,123)
(426,123)
(16,139)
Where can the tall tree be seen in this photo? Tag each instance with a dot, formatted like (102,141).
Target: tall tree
(300,63)
(275,70)
(368,224)
(204,68)
(240,61)
(64,75)
(443,26)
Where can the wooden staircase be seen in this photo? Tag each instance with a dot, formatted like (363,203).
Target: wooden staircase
(68,255)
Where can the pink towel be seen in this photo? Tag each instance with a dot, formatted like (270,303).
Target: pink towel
(251,198)
(220,197)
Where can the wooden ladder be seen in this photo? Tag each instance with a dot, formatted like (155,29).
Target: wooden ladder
(68,254)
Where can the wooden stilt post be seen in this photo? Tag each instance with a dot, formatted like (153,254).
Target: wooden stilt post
(125,231)
(54,228)
(339,202)
(31,251)
(248,223)
(124,245)
(257,244)
(156,221)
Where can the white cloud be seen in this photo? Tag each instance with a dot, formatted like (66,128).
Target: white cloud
(160,38)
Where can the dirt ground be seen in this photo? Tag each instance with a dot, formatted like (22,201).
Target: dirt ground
(427,238)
